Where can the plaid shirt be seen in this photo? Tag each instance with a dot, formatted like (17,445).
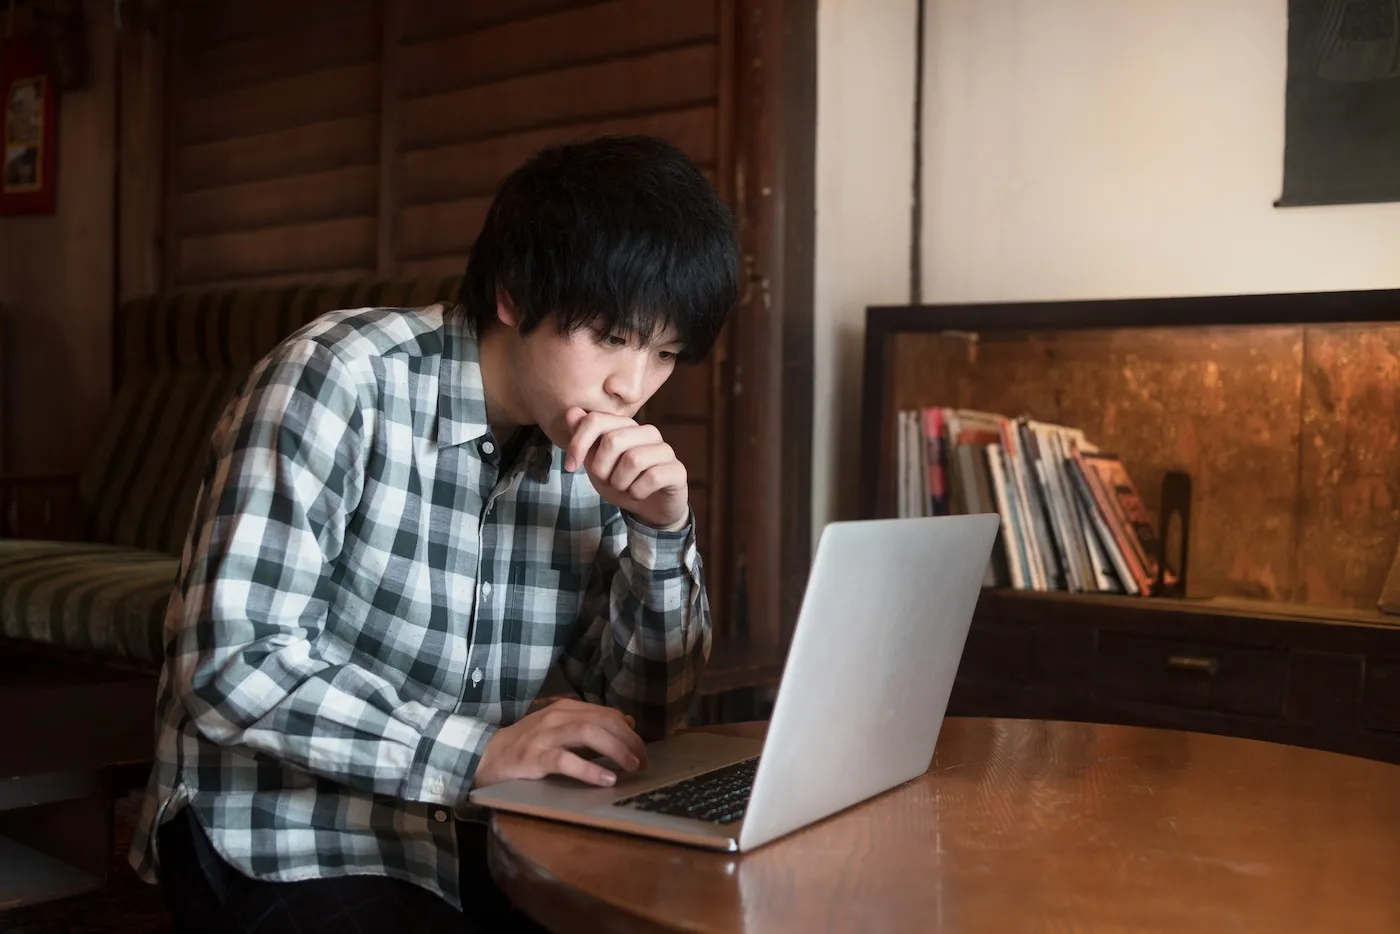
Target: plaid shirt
(365,596)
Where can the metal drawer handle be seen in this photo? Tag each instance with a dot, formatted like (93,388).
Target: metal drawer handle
(1193,663)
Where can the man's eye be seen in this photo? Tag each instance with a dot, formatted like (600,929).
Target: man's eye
(668,355)
(615,340)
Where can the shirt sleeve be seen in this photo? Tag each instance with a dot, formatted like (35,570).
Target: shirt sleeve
(645,632)
(246,657)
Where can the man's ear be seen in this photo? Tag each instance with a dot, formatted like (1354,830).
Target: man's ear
(505,308)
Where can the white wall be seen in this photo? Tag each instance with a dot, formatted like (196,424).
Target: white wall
(865,146)
(1103,149)
(1072,149)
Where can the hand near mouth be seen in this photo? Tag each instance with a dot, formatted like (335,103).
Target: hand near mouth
(631,466)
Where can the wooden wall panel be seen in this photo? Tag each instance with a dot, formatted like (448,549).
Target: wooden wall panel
(1349,477)
(274,137)
(302,150)
(296,199)
(658,81)
(348,91)
(455,171)
(305,249)
(602,31)
(427,19)
(208,24)
(441,226)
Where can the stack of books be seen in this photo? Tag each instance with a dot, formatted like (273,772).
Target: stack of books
(1071,518)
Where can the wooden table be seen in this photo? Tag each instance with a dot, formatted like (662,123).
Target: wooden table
(1019,825)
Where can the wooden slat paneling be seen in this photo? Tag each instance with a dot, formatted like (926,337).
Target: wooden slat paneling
(433,19)
(211,23)
(430,266)
(301,150)
(348,39)
(445,172)
(290,200)
(548,43)
(280,105)
(347,243)
(660,81)
(441,227)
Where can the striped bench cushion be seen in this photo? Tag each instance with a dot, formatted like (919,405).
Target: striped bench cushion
(98,599)
(179,357)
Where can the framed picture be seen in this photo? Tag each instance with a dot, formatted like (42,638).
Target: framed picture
(29,110)
(1342,103)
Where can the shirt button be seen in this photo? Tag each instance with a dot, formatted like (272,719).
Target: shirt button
(440,816)
(488,448)
(436,786)
(476,676)
(486,589)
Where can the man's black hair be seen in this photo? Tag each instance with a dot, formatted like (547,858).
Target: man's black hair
(622,233)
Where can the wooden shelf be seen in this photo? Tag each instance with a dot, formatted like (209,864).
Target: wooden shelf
(1237,607)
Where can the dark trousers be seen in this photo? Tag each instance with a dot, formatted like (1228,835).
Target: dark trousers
(208,896)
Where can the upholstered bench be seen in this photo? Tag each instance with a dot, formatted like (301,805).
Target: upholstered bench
(102,592)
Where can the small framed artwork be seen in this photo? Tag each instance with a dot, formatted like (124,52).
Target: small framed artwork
(29,110)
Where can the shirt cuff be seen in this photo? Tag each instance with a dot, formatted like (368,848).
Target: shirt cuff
(657,550)
(446,760)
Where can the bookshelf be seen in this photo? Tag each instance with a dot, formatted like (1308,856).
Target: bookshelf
(1279,639)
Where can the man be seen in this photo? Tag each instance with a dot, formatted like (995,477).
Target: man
(408,516)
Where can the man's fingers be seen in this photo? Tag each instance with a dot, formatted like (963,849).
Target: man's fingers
(587,432)
(634,462)
(563,762)
(616,446)
(668,474)
(596,737)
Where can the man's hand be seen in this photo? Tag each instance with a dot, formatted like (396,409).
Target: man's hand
(542,744)
(630,466)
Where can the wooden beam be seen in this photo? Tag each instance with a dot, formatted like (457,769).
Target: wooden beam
(774,145)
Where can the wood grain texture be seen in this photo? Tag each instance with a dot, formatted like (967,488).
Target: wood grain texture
(295,199)
(429,19)
(350,37)
(330,94)
(431,266)
(1017,826)
(1221,403)
(212,23)
(570,37)
(446,172)
(347,243)
(299,150)
(1349,477)
(440,227)
(658,81)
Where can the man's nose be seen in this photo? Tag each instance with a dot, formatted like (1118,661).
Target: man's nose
(628,382)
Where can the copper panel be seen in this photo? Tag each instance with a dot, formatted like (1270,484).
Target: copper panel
(1349,502)
(1220,403)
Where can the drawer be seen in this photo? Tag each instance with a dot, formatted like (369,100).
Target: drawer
(1380,706)
(1226,677)
(996,653)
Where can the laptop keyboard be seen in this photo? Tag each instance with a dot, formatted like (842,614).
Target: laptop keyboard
(720,796)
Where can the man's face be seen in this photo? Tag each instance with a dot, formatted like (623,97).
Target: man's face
(589,368)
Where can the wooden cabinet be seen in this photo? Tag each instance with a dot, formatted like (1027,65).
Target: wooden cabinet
(1259,670)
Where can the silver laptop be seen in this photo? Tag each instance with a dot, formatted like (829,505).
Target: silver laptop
(883,621)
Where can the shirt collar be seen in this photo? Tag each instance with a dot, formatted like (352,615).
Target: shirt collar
(462,399)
